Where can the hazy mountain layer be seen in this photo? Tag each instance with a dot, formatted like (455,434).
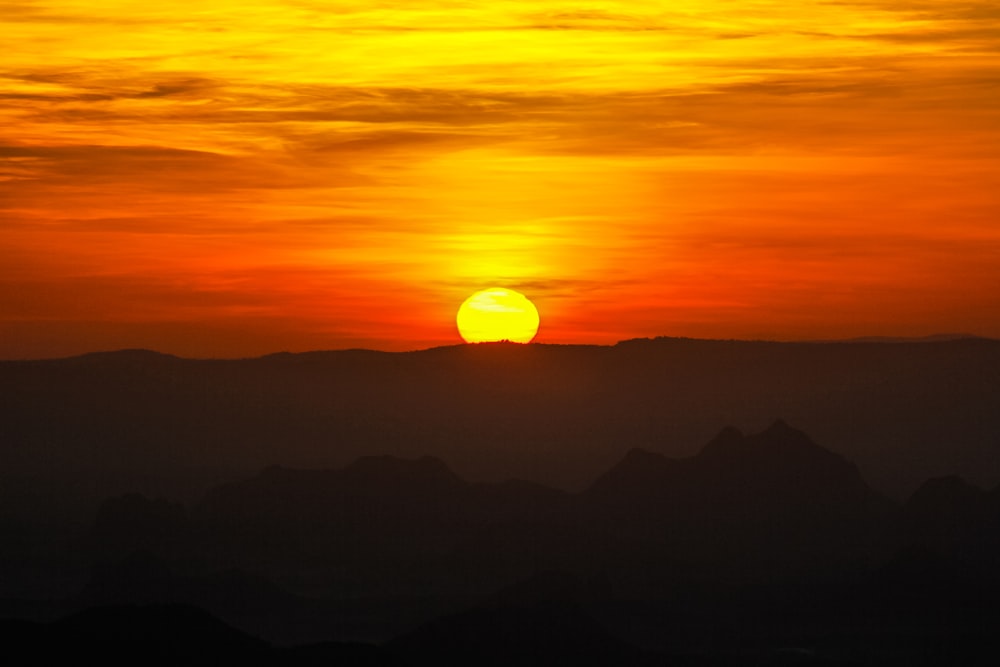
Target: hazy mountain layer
(74,430)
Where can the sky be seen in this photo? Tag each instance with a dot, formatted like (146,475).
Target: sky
(228,179)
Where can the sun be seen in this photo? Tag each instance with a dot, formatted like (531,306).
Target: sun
(497,314)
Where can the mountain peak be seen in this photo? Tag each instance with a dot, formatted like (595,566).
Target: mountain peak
(638,469)
(728,438)
(950,491)
(392,474)
(779,426)
(781,464)
(785,440)
(777,440)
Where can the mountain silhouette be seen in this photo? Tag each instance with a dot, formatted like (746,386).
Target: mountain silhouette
(780,470)
(740,498)
(773,500)
(732,555)
(381,525)
(772,504)
(957,520)
(778,466)
(604,504)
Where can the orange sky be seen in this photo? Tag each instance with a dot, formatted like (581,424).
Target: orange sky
(230,178)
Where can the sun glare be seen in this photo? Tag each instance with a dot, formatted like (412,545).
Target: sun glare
(497,314)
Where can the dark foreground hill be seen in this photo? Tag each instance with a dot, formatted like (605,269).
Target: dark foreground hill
(165,636)
(759,549)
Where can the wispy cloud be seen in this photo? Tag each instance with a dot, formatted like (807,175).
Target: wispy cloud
(722,164)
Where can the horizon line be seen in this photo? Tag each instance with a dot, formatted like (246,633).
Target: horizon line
(857,340)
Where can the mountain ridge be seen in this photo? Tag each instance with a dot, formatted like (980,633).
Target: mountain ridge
(554,414)
(941,338)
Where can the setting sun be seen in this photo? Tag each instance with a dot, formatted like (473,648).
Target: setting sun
(497,314)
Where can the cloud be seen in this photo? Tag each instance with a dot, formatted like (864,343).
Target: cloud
(635,155)
(119,170)
(590,19)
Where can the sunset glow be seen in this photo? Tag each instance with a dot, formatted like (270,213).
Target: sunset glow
(235,178)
